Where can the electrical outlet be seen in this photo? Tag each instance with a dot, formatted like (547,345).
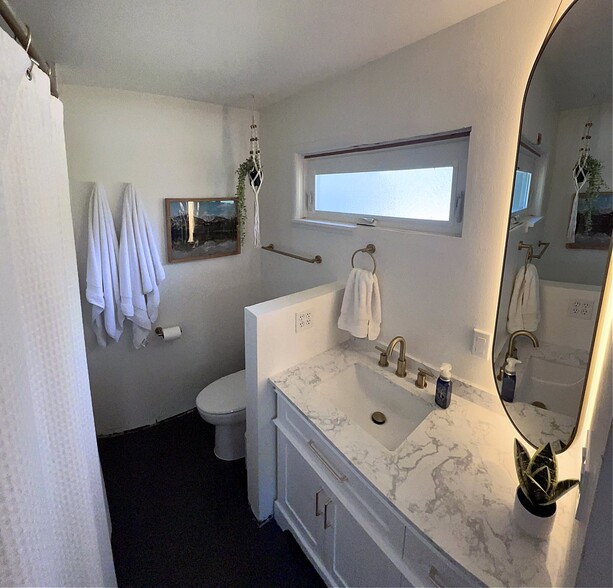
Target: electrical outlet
(581,309)
(304,320)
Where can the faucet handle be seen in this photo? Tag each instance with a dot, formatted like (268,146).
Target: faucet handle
(383,362)
(422,380)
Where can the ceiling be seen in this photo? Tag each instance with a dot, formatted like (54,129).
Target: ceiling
(222,51)
(579,56)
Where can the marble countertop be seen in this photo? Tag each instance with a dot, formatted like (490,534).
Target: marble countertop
(537,424)
(453,477)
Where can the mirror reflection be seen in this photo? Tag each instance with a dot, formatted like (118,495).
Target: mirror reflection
(559,234)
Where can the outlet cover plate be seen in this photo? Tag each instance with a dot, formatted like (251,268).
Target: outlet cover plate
(481,343)
(581,309)
(304,320)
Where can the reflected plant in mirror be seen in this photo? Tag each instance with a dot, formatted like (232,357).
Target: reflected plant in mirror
(559,234)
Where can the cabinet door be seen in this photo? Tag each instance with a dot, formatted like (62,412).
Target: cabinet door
(303,495)
(352,556)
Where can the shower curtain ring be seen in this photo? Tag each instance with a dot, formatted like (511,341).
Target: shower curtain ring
(29,40)
(29,70)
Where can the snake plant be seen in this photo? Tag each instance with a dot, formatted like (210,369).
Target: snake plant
(538,476)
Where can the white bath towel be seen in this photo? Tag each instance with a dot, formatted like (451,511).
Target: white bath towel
(140,268)
(102,289)
(524,308)
(361,308)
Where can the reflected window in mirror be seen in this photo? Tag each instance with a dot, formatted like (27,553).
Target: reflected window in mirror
(550,292)
(521,192)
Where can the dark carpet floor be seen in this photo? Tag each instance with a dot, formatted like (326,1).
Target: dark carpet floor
(181,517)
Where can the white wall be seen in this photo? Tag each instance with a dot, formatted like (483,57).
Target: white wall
(556,325)
(596,567)
(435,288)
(596,418)
(167,148)
(582,266)
(272,345)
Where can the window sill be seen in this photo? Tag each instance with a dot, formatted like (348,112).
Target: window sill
(310,223)
(526,223)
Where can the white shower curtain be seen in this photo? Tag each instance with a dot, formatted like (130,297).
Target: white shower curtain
(53,525)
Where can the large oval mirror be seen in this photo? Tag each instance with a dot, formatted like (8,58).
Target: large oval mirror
(559,233)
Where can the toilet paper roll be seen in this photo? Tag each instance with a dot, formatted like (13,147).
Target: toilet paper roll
(169,333)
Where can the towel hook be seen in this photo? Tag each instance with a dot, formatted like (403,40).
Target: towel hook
(370,249)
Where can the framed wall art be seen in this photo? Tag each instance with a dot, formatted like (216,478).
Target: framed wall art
(201,228)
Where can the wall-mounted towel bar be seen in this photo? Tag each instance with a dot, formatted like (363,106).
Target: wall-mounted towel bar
(530,253)
(370,249)
(271,247)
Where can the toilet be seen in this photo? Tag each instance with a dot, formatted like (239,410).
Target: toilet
(222,403)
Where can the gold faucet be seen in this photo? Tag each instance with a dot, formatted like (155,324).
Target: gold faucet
(401,366)
(512,350)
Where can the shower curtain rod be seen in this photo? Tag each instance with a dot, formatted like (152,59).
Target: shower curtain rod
(22,33)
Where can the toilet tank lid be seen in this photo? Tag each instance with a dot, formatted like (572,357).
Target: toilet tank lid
(224,396)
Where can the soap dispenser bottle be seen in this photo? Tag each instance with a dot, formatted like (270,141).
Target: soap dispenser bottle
(508,379)
(442,397)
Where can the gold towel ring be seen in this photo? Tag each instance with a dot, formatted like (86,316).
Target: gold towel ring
(370,249)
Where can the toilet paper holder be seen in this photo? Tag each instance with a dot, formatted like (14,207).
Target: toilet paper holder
(159,331)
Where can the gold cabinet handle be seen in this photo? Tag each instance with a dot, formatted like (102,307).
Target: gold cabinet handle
(327,523)
(339,477)
(433,575)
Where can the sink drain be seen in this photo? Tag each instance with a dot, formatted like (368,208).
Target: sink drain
(378,418)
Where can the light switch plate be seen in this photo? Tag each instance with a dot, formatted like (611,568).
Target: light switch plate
(481,343)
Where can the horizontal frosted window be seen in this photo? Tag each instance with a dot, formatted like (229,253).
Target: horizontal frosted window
(423,194)
(417,184)
(521,192)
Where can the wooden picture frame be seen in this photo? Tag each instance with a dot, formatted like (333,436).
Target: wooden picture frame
(602,223)
(201,228)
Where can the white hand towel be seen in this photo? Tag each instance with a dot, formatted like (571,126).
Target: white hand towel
(524,308)
(102,289)
(361,308)
(140,268)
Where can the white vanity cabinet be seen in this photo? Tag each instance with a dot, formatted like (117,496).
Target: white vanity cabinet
(346,528)
(338,545)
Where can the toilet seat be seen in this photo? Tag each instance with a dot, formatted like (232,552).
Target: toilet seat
(224,396)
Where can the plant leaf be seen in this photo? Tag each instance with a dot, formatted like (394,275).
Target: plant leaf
(522,459)
(561,488)
(544,456)
(536,493)
(543,477)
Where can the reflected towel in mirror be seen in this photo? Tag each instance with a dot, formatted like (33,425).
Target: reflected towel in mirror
(361,308)
(524,308)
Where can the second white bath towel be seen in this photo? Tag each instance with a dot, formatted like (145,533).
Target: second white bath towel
(140,268)
(361,308)
(524,308)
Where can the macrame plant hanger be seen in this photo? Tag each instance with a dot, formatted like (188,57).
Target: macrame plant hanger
(580,176)
(256,175)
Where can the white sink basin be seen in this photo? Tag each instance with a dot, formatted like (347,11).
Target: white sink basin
(358,392)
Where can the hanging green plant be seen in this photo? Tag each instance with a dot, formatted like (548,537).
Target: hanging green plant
(242,172)
(595,181)
(594,186)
